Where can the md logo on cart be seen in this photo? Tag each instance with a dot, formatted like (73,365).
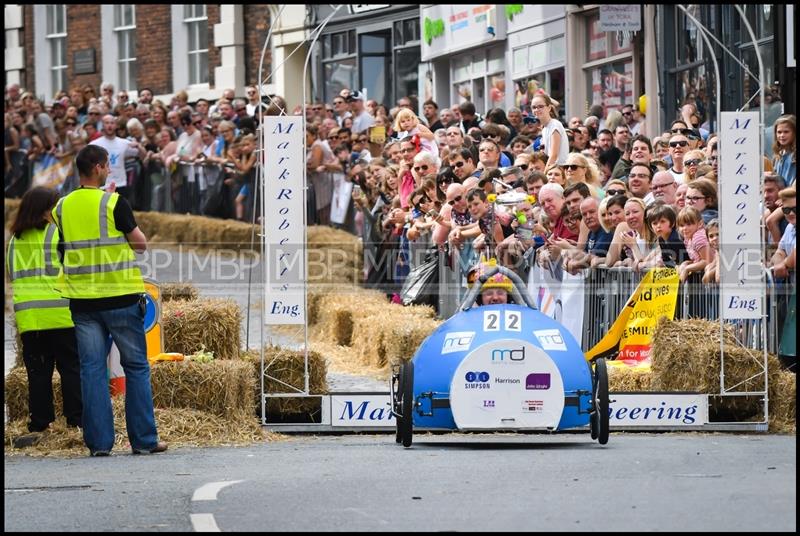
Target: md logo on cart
(508,355)
(457,341)
(550,339)
(476,380)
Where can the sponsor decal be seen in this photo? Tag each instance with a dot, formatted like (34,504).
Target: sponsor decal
(533,406)
(507,380)
(488,403)
(507,355)
(457,341)
(550,339)
(476,380)
(536,381)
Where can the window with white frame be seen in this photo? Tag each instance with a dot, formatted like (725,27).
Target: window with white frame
(125,32)
(196,20)
(57,41)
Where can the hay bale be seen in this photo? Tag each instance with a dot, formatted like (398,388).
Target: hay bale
(222,388)
(178,291)
(16,394)
(178,427)
(212,323)
(283,366)
(685,355)
(783,402)
(403,338)
(628,379)
(336,312)
(11,208)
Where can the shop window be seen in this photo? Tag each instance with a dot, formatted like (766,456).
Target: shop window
(611,84)
(375,66)
(604,44)
(57,39)
(339,75)
(407,57)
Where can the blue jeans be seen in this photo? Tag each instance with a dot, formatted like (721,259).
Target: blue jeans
(126,327)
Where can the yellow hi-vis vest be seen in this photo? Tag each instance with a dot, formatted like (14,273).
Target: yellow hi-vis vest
(33,268)
(98,261)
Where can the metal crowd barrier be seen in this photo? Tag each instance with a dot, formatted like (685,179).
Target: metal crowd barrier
(607,290)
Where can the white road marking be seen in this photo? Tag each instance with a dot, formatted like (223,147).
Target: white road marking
(204,523)
(208,492)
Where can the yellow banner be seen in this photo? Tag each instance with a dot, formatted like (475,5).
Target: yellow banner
(632,331)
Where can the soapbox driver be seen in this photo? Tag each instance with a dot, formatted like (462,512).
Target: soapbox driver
(502,367)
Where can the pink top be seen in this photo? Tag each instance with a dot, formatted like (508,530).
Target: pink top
(698,241)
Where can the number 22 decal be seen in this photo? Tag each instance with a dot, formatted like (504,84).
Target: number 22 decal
(491,321)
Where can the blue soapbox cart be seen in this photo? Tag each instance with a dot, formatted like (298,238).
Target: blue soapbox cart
(500,368)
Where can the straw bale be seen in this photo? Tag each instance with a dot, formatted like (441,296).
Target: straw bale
(11,208)
(627,379)
(783,402)
(178,291)
(685,355)
(314,295)
(16,394)
(403,338)
(336,312)
(212,323)
(178,427)
(283,366)
(222,388)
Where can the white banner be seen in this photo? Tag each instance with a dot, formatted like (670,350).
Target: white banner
(340,202)
(658,409)
(361,410)
(283,161)
(555,292)
(647,410)
(742,285)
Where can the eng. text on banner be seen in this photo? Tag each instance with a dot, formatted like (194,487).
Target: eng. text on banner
(742,286)
(283,160)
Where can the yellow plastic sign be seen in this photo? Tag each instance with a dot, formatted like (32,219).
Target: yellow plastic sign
(632,331)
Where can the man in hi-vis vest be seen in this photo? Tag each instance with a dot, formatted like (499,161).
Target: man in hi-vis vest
(106,297)
(42,315)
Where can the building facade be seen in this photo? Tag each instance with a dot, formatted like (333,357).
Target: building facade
(374,48)
(202,48)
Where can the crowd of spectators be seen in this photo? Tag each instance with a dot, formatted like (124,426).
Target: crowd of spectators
(597,192)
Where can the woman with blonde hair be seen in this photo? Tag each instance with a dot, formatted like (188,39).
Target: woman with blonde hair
(580,169)
(691,160)
(556,174)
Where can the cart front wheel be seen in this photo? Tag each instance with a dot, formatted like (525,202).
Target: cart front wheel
(405,424)
(599,421)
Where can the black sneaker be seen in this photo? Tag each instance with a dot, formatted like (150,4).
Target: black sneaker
(27,440)
(95,453)
(160,447)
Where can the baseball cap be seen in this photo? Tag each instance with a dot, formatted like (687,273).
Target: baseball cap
(528,120)
(355,95)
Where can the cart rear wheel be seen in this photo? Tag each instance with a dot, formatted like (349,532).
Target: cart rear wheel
(600,418)
(405,425)
(397,380)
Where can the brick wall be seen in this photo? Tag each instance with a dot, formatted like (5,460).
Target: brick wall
(212,10)
(28,78)
(256,26)
(83,31)
(154,47)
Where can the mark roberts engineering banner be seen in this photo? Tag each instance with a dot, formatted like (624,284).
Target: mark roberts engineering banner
(740,266)
(283,161)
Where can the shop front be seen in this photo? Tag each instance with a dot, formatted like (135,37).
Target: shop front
(464,55)
(536,53)
(374,48)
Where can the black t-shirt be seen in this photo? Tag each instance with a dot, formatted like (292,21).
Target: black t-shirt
(125,223)
(436,125)
(673,250)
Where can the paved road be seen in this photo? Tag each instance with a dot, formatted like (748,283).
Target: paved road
(489,482)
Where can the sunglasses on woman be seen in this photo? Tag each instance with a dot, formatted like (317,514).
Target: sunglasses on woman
(455,200)
(421,168)
(692,162)
(681,143)
(572,167)
(788,210)
(615,192)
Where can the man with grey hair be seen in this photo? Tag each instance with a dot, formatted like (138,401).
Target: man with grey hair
(425,163)
(664,187)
